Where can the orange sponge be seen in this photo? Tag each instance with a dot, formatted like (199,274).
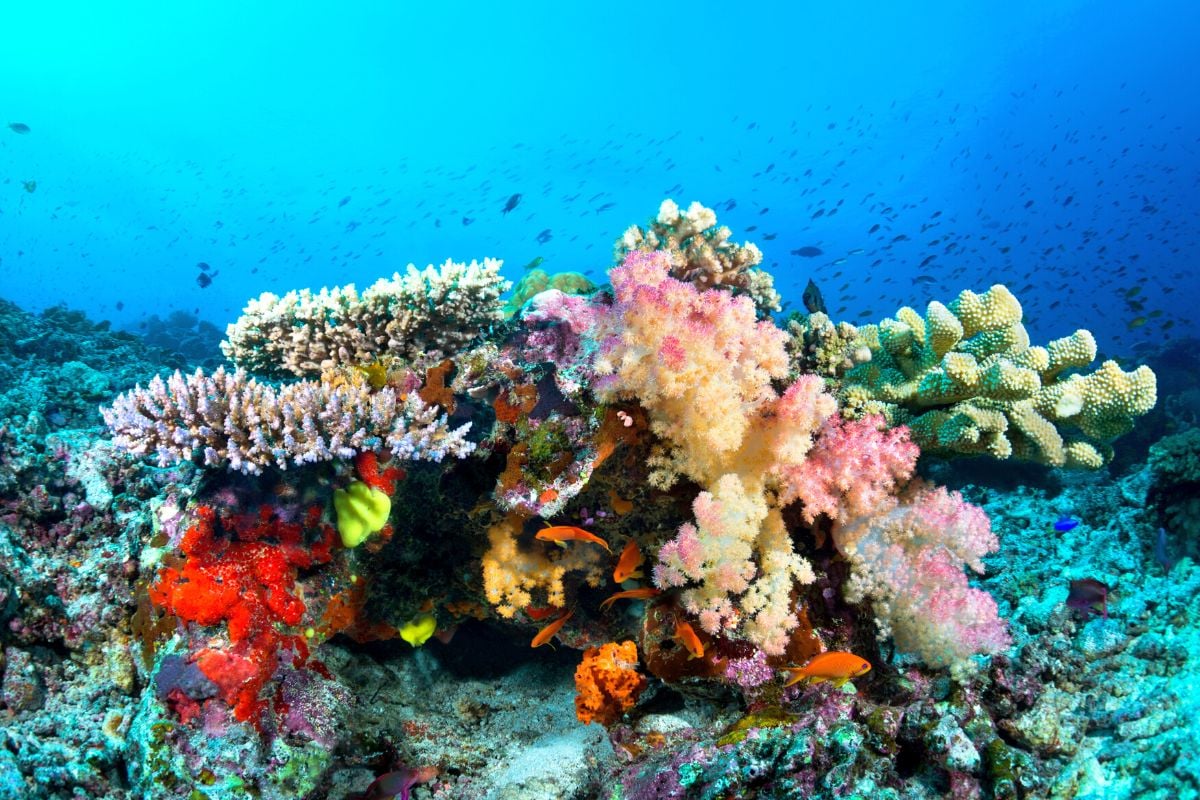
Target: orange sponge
(607,682)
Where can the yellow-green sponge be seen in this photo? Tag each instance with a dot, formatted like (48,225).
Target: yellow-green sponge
(361,511)
(418,630)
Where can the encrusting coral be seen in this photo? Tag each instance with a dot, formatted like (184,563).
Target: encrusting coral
(965,379)
(235,420)
(700,253)
(421,316)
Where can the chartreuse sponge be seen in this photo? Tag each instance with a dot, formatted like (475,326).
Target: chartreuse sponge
(418,630)
(361,511)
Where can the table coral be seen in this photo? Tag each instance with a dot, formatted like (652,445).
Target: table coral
(965,379)
(421,315)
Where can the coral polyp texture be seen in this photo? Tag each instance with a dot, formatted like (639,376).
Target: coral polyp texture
(231,419)
(420,315)
(966,380)
(415,542)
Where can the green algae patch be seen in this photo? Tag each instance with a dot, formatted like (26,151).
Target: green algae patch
(767,718)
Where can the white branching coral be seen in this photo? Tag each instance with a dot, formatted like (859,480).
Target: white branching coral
(420,316)
(230,419)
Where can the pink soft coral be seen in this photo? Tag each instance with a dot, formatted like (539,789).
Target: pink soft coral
(909,562)
(854,469)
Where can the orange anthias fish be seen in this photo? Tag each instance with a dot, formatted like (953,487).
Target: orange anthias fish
(561,534)
(547,633)
(835,666)
(629,565)
(619,504)
(645,593)
(687,637)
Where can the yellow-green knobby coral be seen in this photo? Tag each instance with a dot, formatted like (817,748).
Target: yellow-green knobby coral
(966,380)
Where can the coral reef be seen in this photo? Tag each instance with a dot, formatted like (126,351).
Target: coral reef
(1174,495)
(661,514)
(965,379)
(607,683)
(818,345)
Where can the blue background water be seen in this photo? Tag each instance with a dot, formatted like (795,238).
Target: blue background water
(1050,145)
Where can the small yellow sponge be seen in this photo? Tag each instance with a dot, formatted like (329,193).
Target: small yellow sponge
(361,511)
(418,630)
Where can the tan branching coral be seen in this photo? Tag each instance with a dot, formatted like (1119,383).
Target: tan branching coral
(421,316)
(816,344)
(702,254)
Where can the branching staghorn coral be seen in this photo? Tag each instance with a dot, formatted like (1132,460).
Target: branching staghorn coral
(421,316)
(965,379)
(701,253)
(234,420)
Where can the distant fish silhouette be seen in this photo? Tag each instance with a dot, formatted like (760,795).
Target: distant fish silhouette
(808,252)
(812,299)
(1162,553)
(511,203)
(18,127)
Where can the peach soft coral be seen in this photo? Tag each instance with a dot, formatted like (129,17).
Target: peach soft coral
(241,570)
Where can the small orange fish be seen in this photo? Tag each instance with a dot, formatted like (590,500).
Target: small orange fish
(835,666)
(629,565)
(547,633)
(561,534)
(644,593)
(619,504)
(687,637)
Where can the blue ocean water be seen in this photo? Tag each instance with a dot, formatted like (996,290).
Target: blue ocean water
(1050,146)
